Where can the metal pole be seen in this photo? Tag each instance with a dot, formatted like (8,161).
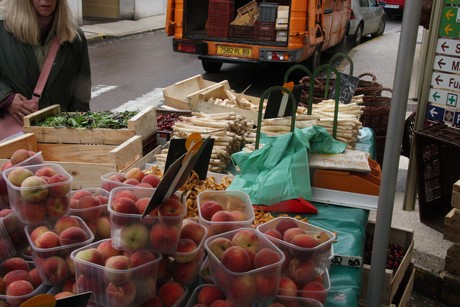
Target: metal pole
(401,85)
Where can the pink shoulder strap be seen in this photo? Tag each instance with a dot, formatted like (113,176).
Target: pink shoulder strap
(46,69)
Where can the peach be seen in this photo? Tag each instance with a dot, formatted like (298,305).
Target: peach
(304,241)
(46,171)
(18,288)
(86,283)
(170,292)
(301,271)
(265,257)
(238,215)
(236,259)
(14,263)
(63,294)
(17,176)
(124,205)
(273,233)
(72,235)
(185,273)
(90,255)
(107,250)
(287,287)
(153,302)
(184,250)
(193,231)
(56,206)
(164,269)
(38,231)
(88,207)
(32,213)
(47,239)
(290,233)
(141,257)
(118,266)
(36,278)
(164,238)
(141,204)
(315,290)
(144,185)
(219,245)
(222,221)
(267,285)
(34,189)
(131,181)
(242,289)
(208,208)
(77,195)
(125,193)
(55,269)
(151,179)
(59,185)
(134,236)
(246,238)
(103,227)
(171,207)
(19,155)
(284,224)
(208,294)
(15,275)
(135,173)
(65,222)
(121,295)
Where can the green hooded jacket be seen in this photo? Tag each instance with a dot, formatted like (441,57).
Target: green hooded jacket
(69,82)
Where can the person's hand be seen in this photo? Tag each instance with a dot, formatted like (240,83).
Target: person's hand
(20,108)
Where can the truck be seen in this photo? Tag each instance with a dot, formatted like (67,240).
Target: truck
(256,32)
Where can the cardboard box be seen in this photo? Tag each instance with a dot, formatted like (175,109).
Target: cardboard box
(283,11)
(281,36)
(143,124)
(178,94)
(392,281)
(85,163)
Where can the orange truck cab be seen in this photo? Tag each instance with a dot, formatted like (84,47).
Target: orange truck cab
(245,31)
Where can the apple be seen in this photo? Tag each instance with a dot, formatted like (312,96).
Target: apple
(56,206)
(107,250)
(219,245)
(121,295)
(184,251)
(34,189)
(170,292)
(301,271)
(19,155)
(222,221)
(55,269)
(290,233)
(314,290)
(47,239)
(18,175)
(208,208)
(246,238)
(64,223)
(73,235)
(17,290)
(124,205)
(242,289)
(284,224)
(134,236)
(236,259)
(193,231)
(304,241)
(287,287)
(15,275)
(171,207)
(208,294)
(151,179)
(14,263)
(118,266)
(164,238)
(265,257)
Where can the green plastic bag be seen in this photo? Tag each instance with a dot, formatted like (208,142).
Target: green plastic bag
(280,170)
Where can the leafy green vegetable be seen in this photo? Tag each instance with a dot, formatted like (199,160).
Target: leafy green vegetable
(107,119)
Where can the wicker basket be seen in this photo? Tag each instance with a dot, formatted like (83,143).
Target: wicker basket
(366,87)
(376,112)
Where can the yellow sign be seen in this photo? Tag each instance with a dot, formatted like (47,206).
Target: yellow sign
(234,51)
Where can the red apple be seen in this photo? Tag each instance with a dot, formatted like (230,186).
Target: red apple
(134,236)
(208,208)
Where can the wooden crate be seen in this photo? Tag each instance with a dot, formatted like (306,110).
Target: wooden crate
(86,163)
(452,261)
(178,95)
(143,124)
(456,195)
(405,288)
(403,237)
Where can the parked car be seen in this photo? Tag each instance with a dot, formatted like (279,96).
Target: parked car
(393,7)
(367,18)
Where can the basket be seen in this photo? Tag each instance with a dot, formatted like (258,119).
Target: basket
(366,87)
(376,112)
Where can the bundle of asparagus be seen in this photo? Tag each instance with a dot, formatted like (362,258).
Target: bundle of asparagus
(234,101)
(227,130)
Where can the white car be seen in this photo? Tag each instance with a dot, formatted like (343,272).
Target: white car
(367,18)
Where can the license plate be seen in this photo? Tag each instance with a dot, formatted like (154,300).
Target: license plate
(234,51)
(391,6)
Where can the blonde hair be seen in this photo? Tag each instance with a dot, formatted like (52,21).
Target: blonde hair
(22,21)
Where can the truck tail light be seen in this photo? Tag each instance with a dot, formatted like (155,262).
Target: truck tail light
(278,56)
(190,47)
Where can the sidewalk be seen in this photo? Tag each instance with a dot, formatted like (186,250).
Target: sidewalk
(429,246)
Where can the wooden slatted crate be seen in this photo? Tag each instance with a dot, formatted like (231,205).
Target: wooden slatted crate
(143,124)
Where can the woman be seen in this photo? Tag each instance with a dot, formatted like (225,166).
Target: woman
(27,30)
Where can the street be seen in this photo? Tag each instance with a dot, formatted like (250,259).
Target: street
(131,68)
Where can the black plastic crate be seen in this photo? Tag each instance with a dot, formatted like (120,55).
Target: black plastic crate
(265,31)
(267,11)
(237,31)
(437,154)
(220,14)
